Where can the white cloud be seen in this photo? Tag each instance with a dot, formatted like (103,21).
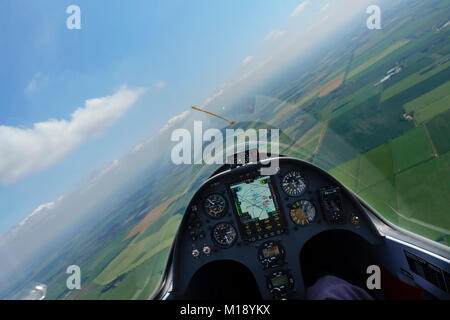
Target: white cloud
(213,97)
(160,84)
(138,147)
(299,9)
(273,35)
(173,120)
(247,60)
(37,82)
(39,209)
(110,166)
(27,150)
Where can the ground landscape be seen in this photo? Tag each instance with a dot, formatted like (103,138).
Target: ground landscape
(387,142)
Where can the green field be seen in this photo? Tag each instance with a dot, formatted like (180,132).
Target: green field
(375,166)
(423,193)
(350,98)
(404,182)
(347,173)
(440,132)
(411,148)
(361,129)
(430,104)
(377,58)
(382,197)
(138,251)
(413,80)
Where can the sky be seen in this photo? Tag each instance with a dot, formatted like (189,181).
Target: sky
(72,102)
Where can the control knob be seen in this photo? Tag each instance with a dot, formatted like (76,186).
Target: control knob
(195,253)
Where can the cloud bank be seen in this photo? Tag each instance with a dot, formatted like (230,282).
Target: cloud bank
(27,150)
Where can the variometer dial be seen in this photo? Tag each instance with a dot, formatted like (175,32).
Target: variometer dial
(215,205)
(224,234)
(302,212)
(294,184)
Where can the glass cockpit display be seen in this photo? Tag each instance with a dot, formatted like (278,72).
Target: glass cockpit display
(271,254)
(257,208)
(279,281)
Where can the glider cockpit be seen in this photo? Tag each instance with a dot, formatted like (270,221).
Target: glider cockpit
(246,235)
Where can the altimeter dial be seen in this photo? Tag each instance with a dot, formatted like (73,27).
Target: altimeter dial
(224,234)
(302,212)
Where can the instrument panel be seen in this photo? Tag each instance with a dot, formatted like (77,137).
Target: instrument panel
(263,222)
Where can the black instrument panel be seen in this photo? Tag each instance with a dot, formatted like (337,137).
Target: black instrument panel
(263,222)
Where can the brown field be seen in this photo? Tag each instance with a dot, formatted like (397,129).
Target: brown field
(332,85)
(307,138)
(321,135)
(283,111)
(304,139)
(150,218)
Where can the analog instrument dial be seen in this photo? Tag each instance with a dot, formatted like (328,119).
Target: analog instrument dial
(302,212)
(224,234)
(294,184)
(215,205)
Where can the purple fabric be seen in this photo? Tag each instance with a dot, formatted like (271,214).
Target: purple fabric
(333,288)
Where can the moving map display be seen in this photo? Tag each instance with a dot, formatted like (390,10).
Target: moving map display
(257,208)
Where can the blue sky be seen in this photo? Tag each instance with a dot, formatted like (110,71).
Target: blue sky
(181,52)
